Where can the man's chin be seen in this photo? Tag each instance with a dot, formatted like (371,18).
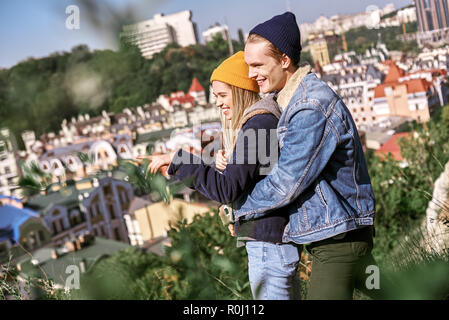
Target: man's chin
(265,89)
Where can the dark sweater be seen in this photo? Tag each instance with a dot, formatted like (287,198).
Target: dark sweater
(236,181)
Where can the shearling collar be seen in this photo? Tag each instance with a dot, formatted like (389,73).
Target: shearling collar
(285,95)
(265,105)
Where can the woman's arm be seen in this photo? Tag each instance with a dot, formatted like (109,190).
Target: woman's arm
(239,174)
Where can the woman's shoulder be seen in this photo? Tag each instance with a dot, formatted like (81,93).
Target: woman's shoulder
(261,121)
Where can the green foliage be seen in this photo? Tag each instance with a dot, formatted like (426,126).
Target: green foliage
(403,193)
(147,183)
(33,179)
(362,38)
(445,116)
(202,262)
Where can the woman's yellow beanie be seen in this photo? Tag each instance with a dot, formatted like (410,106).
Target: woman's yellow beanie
(234,71)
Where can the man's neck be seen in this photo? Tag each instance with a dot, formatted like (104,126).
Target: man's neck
(290,72)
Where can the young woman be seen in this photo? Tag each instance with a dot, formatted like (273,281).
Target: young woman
(271,264)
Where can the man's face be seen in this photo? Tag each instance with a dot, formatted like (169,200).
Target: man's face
(263,68)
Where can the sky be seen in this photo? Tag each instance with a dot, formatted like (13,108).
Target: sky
(37,28)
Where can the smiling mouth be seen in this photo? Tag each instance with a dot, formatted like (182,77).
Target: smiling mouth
(260,82)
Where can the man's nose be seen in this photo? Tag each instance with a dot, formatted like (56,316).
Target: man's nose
(251,73)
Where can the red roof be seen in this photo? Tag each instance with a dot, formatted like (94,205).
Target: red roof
(379,91)
(394,73)
(418,85)
(196,86)
(413,86)
(392,146)
(182,99)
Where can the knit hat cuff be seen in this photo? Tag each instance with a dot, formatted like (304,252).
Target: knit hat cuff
(234,79)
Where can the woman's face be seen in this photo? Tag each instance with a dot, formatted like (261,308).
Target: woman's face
(223,93)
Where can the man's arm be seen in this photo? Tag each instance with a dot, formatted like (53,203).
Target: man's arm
(307,147)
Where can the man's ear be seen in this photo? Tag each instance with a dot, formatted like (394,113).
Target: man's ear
(285,61)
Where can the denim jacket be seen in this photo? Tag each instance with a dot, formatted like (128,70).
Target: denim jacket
(321,179)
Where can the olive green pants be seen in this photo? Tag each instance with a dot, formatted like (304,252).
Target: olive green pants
(341,265)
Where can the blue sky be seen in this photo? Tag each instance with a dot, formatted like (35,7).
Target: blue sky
(36,28)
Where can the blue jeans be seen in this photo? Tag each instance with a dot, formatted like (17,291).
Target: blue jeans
(272,270)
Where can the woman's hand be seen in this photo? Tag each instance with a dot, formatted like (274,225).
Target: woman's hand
(223,213)
(159,162)
(221,160)
(231,229)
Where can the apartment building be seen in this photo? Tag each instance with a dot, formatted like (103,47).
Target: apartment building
(153,35)
(9,169)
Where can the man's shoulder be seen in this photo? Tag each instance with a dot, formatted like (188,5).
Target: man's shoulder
(315,93)
(316,88)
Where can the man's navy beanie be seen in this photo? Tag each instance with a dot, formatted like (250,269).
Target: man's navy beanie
(283,32)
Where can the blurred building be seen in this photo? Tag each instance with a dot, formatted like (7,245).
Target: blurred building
(195,95)
(210,33)
(9,169)
(153,35)
(433,21)
(324,46)
(404,95)
(433,58)
(94,205)
(342,23)
(21,229)
(407,14)
(355,85)
(432,14)
(147,221)
(64,162)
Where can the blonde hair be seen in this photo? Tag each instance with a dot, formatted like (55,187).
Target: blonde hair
(242,99)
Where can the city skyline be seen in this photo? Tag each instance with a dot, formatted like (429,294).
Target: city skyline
(49,33)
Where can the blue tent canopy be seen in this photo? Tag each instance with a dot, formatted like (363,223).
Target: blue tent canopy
(11,218)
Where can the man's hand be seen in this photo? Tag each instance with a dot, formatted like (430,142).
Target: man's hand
(221,160)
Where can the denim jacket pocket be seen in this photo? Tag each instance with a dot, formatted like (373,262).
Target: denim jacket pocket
(323,200)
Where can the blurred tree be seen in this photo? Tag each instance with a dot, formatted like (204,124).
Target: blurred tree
(241,36)
(202,262)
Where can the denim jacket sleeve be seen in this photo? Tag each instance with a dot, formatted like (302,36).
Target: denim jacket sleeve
(308,144)
(226,186)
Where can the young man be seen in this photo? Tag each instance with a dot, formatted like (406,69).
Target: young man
(321,178)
